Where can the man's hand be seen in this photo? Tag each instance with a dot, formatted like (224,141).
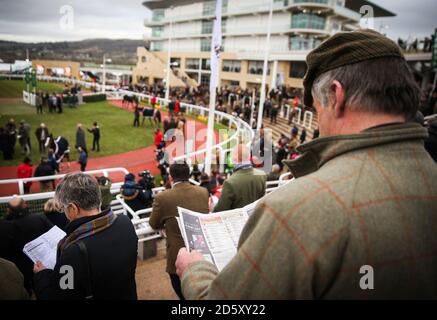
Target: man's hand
(186,258)
(38,267)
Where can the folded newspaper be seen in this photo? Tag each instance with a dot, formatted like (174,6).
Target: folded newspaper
(214,235)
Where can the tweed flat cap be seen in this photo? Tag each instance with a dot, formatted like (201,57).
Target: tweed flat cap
(346,48)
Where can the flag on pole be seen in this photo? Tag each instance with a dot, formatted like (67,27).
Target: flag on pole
(216,46)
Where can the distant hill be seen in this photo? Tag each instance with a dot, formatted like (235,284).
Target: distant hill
(121,51)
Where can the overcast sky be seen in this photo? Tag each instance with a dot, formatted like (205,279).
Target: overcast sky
(41,20)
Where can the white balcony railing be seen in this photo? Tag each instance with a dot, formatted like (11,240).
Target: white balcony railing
(260,8)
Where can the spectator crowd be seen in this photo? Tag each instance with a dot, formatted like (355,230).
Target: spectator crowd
(364,194)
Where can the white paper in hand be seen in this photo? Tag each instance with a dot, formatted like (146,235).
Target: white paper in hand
(44,247)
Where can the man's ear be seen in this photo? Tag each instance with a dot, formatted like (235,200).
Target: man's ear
(73,211)
(339,94)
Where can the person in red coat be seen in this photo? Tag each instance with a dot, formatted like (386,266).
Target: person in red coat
(25,170)
(159,139)
(177,108)
(153,101)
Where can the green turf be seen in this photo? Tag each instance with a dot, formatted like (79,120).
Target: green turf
(14,88)
(116,125)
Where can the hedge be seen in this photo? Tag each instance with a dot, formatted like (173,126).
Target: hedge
(95,98)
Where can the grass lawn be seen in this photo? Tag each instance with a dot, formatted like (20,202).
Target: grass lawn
(117,132)
(14,88)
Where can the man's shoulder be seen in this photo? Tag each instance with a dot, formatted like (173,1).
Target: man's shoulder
(314,194)
(258,172)
(187,188)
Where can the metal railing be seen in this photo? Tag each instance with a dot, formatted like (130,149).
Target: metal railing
(306,121)
(142,227)
(22,181)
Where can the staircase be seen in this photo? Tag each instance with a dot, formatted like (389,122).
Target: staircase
(154,67)
(185,78)
(282,127)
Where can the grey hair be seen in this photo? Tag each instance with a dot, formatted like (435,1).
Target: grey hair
(80,189)
(384,85)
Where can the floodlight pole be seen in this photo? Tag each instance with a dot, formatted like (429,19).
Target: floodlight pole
(265,69)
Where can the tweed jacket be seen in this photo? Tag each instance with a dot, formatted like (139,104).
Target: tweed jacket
(165,212)
(244,187)
(361,214)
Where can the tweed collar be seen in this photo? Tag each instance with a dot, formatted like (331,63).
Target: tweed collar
(318,152)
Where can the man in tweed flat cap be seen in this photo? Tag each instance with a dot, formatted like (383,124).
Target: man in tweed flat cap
(360,220)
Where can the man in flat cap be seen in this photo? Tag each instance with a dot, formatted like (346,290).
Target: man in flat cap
(359,221)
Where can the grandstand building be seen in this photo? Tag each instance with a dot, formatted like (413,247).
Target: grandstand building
(298,26)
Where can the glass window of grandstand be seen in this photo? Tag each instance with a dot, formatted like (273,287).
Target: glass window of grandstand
(209,8)
(156,46)
(256,67)
(224,24)
(206,64)
(308,21)
(175,62)
(207,26)
(225,6)
(204,79)
(298,69)
(281,3)
(205,45)
(192,64)
(232,66)
(157,31)
(158,15)
(301,44)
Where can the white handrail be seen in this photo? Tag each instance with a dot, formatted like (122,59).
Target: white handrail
(22,181)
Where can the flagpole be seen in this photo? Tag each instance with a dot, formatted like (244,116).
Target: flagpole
(216,42)
(167,78)
(210,136)
(266,66)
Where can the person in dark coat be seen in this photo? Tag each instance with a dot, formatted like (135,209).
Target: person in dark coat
(44,169)
(55,216)
(303,136)
(11,130)
(431,142)
(100,247)
(51,158)
(23,138)
(172,107)
(95,130)
(6,145)
(59,103)
(206,183)
(157,118)
(83,159)
(42,133)
(133,195)
(80,138)
(137,117)
(23,227)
